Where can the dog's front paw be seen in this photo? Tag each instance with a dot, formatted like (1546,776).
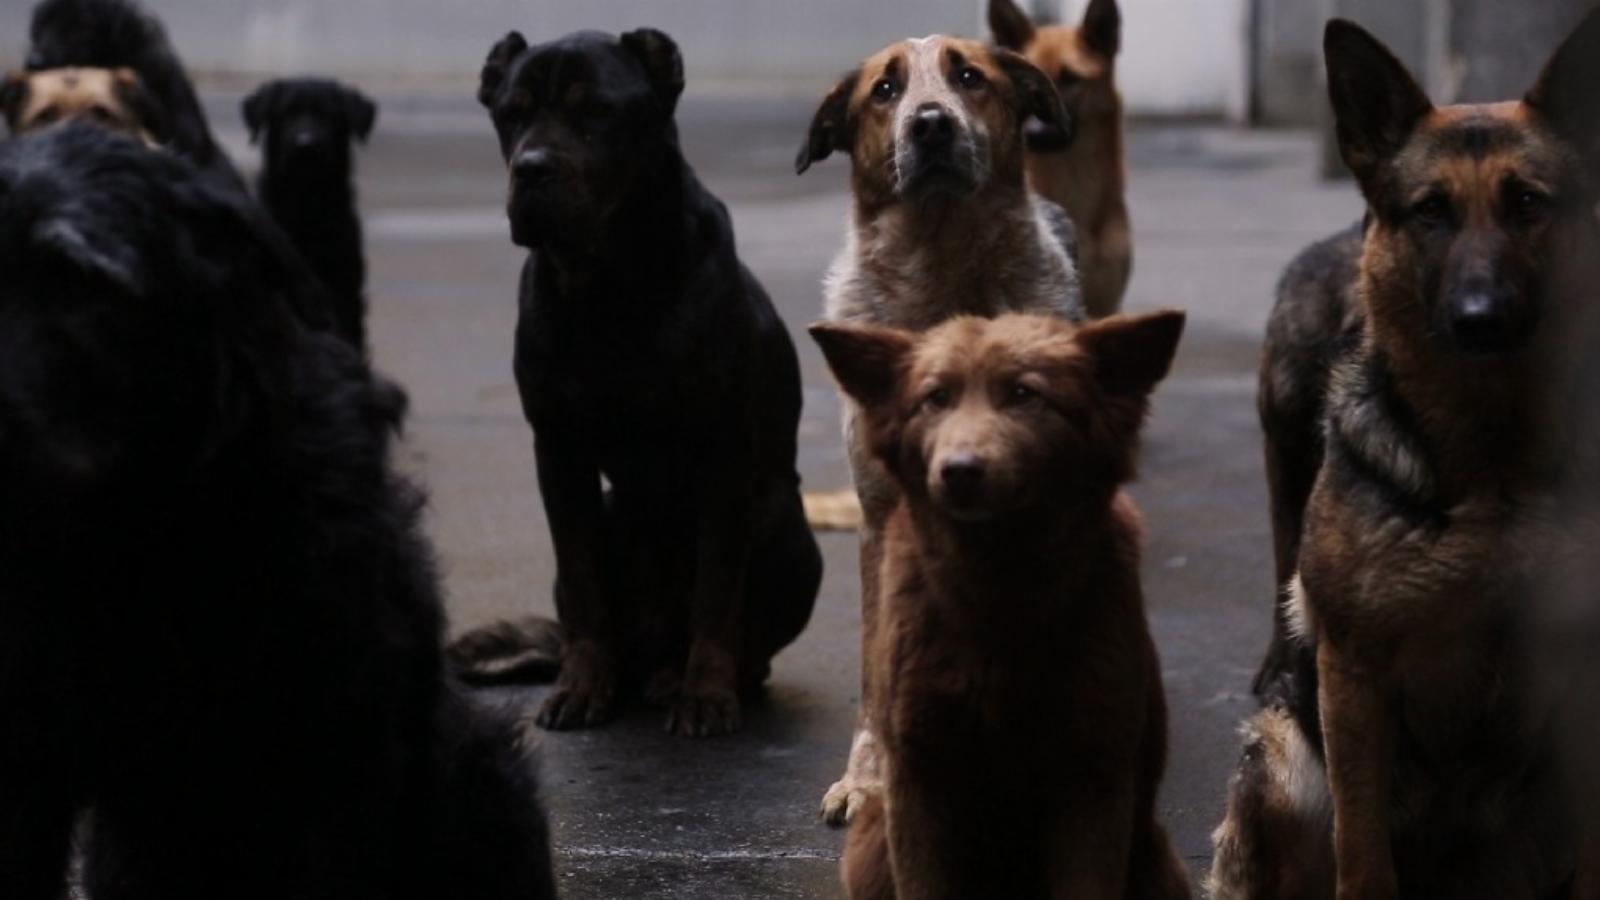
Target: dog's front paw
(845,798)
(706,712)
(584,696)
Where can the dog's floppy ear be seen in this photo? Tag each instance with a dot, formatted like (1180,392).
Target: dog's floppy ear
(362,113)
(498,65)
(131,93)
(257,109)
(831,128)
(1011,26)
(13,95)
(1566,93)
(1376,102)
(114,263)
(1132,353)
(662,62)
(1102,27)
(1036,93)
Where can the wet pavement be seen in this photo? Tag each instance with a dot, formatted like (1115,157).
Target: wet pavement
(640,814)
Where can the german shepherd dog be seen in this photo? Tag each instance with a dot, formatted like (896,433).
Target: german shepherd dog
(1086,176)
(943,225)
(1424,760)
(1019,700)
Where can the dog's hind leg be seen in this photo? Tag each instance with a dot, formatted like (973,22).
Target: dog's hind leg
(36,804)
(1276,841)
(781,588)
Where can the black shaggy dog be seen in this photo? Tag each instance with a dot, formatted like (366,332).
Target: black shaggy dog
(305,127)
(109,34)
(219,624)
(646,354)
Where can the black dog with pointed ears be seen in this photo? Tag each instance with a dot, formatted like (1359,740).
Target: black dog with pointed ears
(219,619)
(648,355)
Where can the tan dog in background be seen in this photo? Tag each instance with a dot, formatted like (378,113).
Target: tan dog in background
(943,224)
(1019,698)
(1086,176)
(114,99)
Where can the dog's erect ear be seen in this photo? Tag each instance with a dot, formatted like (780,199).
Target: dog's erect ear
(1376,102)
(1567,94)
(498,65)
(662,62)
(362,113)
(1102,27)
(131,93)
(13,95)
(831,127)
(1036,93)
(1010,26)
(868,361)
(257,109)
(1132,353)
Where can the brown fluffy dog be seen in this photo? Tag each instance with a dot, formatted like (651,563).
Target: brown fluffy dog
(1086,176)
(1019,699)
(1449,538)
(114,99)
(943,225)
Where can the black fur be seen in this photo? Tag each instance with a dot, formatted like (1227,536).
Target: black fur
(1315,322)
(111,33)
(648,354)
(219,620)
(306,127)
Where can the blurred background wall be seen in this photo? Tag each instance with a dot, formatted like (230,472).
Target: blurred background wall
(1242,60)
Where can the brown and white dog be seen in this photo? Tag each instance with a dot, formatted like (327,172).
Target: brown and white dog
(114,99)
(943,224)
(1019,701)
(1086,176)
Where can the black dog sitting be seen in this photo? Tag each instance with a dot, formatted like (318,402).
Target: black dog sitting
(647,355)
(109,34)
(306,126)
(219,624)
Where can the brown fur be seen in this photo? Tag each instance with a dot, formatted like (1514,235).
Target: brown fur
(1453,519)
(114,99)
(1019,694)
(977,243)
(1088,177)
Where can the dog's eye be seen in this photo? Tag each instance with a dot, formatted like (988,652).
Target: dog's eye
(47,115)
(1433,211)
(1068,78)
(971,79)
(884,90)
(938,398)
(1020,393)
(1530,205)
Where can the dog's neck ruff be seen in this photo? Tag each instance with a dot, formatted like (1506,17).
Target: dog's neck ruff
(1371,427)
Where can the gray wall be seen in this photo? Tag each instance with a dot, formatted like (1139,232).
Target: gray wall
(728,44)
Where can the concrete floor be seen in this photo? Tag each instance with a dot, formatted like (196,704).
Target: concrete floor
(639,814)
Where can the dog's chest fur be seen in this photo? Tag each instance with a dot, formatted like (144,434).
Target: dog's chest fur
(912,269)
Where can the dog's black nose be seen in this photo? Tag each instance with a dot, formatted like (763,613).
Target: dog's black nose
(933,126)
(961,472)
(1484,321)
(534,166)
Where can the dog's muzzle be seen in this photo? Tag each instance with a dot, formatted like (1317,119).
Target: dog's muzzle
(1042,137)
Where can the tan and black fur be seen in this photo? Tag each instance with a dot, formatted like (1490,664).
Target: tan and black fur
(942,224)
(1447,540)
(1019,700)
(114,99)
(1086,176)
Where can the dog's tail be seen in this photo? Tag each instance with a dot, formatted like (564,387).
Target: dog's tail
(520,651)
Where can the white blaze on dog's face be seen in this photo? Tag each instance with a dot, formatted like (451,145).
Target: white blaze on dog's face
(933,116)
(113,99)
(990,417)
